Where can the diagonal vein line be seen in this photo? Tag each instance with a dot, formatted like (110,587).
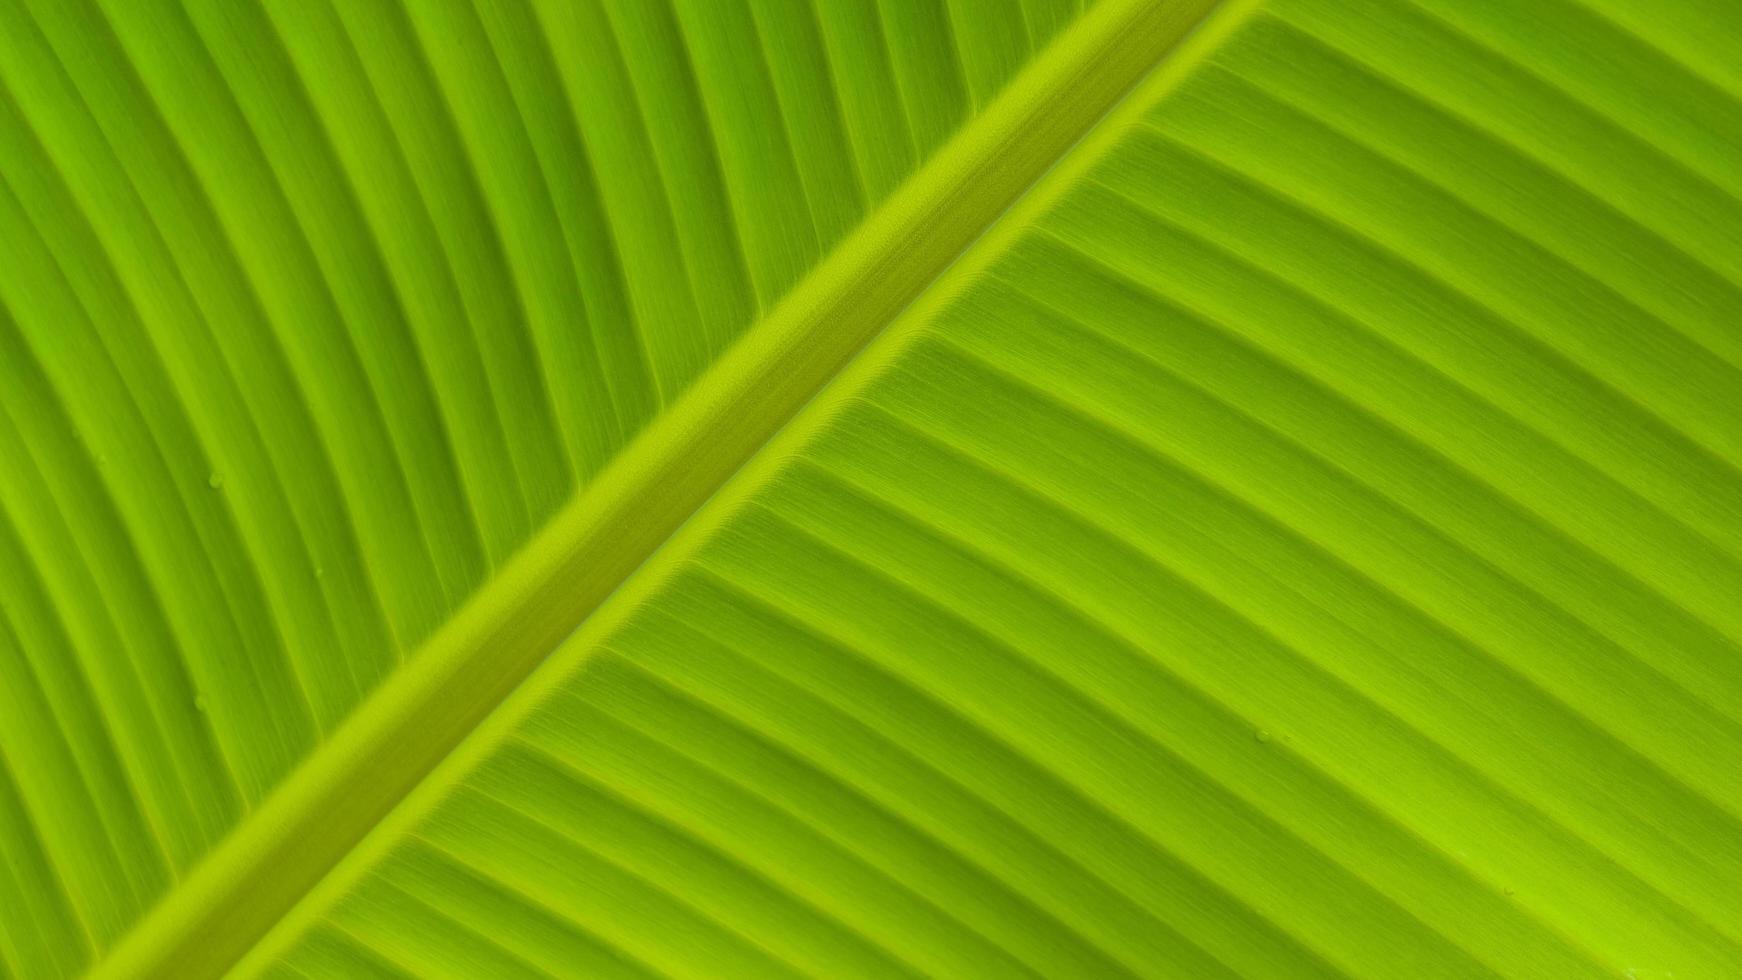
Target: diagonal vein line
(597,543)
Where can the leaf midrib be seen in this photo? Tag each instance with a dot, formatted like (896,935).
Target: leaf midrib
(597,542)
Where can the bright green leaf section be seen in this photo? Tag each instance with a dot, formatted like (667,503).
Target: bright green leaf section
(1280,520)
(1309,548)
(320,310)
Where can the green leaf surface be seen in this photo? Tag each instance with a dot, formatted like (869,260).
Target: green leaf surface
(1175,488)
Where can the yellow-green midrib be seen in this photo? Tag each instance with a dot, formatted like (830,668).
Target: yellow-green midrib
(314,311)
(1247,576)
(599,539)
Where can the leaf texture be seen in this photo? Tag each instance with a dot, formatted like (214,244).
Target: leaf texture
(1030,495)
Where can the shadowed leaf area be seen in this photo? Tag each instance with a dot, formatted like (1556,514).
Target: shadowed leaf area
(868,488)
